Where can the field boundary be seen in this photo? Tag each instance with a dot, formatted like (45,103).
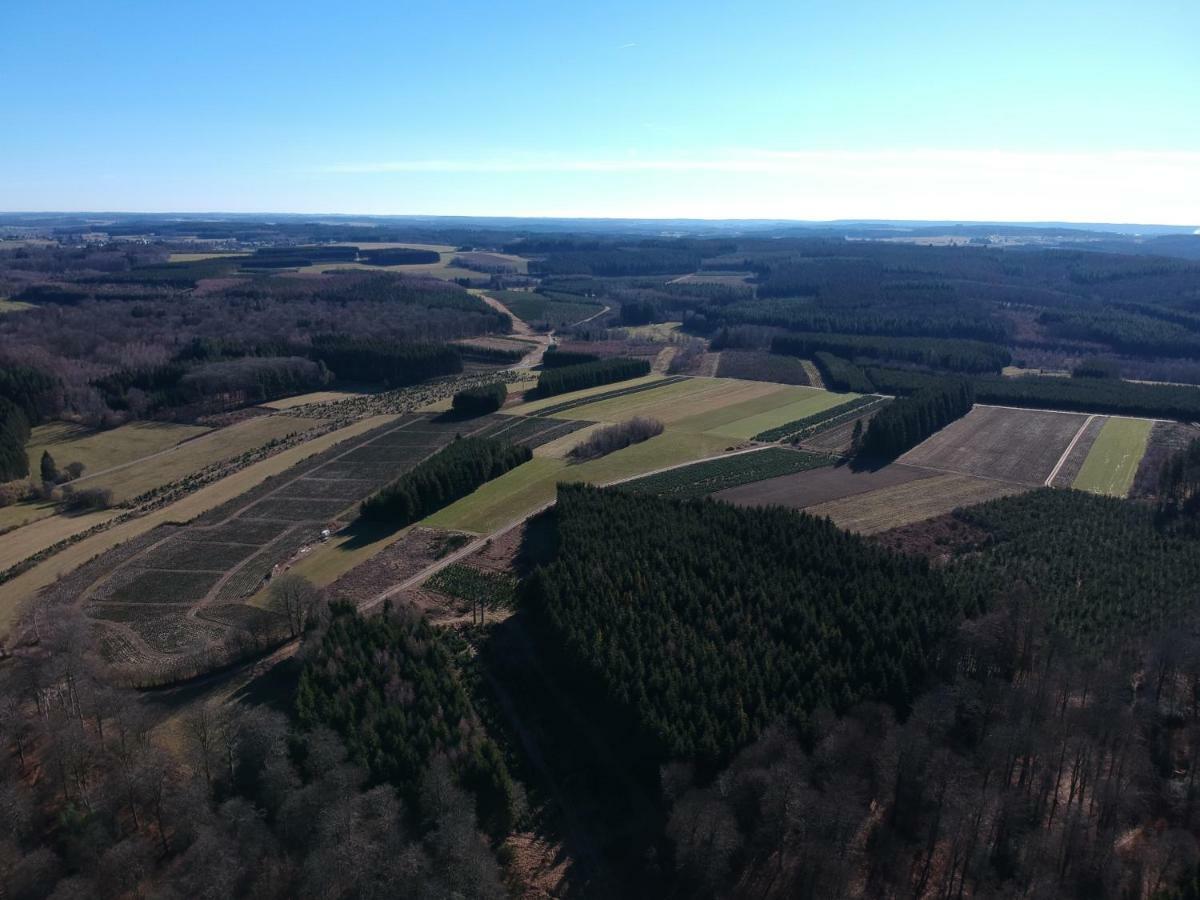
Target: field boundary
(1071,446)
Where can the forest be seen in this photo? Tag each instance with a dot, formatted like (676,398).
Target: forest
(250,801)
(745,617)
(950,355)
(590,374)
(902,425)
(389,687)
(451,473)
(480,400)
(106,317)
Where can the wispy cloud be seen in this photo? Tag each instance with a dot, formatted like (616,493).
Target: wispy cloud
(800,162)
(1111,186)
(628,46)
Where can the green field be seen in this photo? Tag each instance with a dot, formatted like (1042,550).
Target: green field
(703,416)
(693,404)
(188,458)
(1113,460)
(100,450)
(535,406)
(810,402)
(704,478)
(537,309)
(532,485)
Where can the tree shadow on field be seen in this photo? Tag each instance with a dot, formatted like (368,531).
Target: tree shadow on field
(862,463)
(363,533)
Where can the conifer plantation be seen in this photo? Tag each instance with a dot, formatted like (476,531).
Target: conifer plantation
(590,374)
(705,622)
(902,425)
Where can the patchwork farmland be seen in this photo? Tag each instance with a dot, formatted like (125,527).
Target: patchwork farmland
(180,602)
(1021,446)
(989,453)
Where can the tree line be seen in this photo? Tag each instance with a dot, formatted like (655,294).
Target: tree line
(14,432)
(591,374)
(555,358)
(385,362)
(903,424)
(953,355)
(480,400)
(1178,490)
(451,473)
(1085,394)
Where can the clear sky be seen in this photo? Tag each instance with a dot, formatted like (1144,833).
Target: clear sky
(1077,110)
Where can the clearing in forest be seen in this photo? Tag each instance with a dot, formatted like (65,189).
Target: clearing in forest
(1114,457)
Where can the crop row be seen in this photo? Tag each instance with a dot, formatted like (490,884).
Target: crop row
(155,586)
(205,555)
(705,478)
(533,432)
(801,428)
(606,395)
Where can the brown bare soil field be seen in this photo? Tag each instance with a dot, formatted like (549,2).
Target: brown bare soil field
(500,553)
(940,539)
(1017,445)
(1165,438)
(901,504)
(397,562)
(816,486)
(1075,459)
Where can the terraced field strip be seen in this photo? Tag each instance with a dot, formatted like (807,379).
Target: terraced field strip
(692,404)
(827,418)
(1017,445)
(100,451)
(815,402)
(25,513)
(562,402)
(704,478)
(24,542)
(913,501)
(18,591)
(1113,460)
(137,477)
(314,397)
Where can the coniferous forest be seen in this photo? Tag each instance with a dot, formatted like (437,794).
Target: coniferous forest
(589,374)
(902,425)
(706,623)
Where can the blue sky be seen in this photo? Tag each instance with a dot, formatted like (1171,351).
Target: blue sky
(1059,109)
